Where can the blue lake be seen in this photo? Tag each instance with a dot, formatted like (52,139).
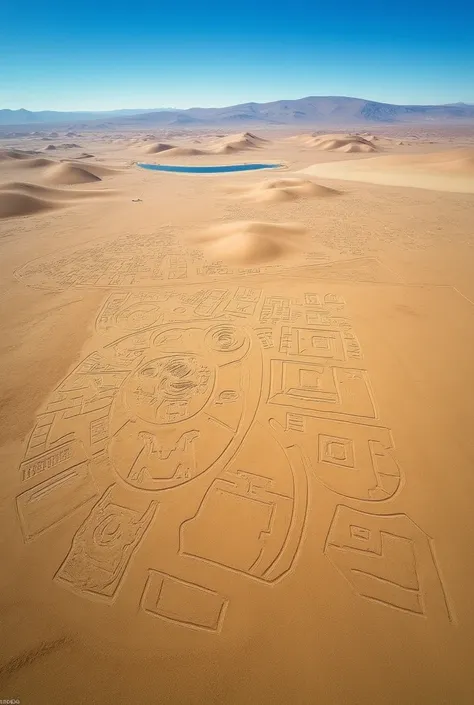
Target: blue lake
(209,169)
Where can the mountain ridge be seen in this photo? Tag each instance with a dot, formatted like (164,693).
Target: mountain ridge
(336,110)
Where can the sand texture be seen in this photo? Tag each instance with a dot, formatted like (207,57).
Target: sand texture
(236,418)
(451,170)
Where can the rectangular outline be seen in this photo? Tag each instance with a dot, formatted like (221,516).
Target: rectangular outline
(191,625)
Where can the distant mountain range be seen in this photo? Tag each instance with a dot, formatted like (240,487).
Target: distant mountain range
(314,110)
(29,117)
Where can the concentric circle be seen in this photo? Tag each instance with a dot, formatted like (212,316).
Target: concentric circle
(169,389)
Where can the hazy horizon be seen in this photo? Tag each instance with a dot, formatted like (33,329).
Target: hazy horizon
(102,58)
(165,108)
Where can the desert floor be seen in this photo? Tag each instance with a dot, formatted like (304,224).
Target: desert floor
(236,419)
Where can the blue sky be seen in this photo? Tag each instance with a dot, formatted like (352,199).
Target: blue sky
(82,55)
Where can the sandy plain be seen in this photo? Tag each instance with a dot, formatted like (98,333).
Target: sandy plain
(236,419)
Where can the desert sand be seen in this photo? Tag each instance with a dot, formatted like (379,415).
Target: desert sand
(236,418)
(450,170)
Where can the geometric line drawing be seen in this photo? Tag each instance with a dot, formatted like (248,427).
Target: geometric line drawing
(268,521)
(186,407)
(183,603)
(48,503)
(103,547)
(60,457)
(319,387)
(387,559)
(313,343)
(244,302)
(353,460)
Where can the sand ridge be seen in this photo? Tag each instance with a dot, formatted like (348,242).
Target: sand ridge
(69,174)
(281,190)
(238,143)
(15,203)
(21,198)
(249,243)
(8,155)
(338,142)
(157,147)
(224,145)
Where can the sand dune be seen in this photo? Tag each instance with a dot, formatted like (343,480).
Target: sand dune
(69,173)
(7,155)
(19,198)
(66,145)
(37,163)
(340,143)
(248,243)
(281,190)
(13,203)
(183,152)
(66,174)
(25,160)
(228,144)
(381,139)
(451,170)
(157,147)
(49,192)
(56,172)
(238,143)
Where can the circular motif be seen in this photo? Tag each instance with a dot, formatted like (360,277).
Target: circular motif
(108,532)
(169,389)
(225,338)
(138,316)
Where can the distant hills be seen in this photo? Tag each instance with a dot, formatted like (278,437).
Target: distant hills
(314,109)
(29,117)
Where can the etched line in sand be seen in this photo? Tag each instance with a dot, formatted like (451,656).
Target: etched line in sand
(103,547)
(387,559)
(134,262)
(186,388)
(353,460)
(173,422)
(267,513)
(182,603)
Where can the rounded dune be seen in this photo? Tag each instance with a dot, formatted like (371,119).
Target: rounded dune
(238,143)
(281,190)
(340,143)
(14,204)
(14,154)
(37,163)
(184,152)
(157,147)
(48,192)
(251,242)
(98,170)
(69,174)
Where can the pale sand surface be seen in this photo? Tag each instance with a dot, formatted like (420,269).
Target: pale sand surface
(236,422)
(450,170)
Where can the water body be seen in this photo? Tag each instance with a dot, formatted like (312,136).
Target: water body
(223,169)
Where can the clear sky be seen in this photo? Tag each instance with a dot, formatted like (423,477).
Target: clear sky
(102,55)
